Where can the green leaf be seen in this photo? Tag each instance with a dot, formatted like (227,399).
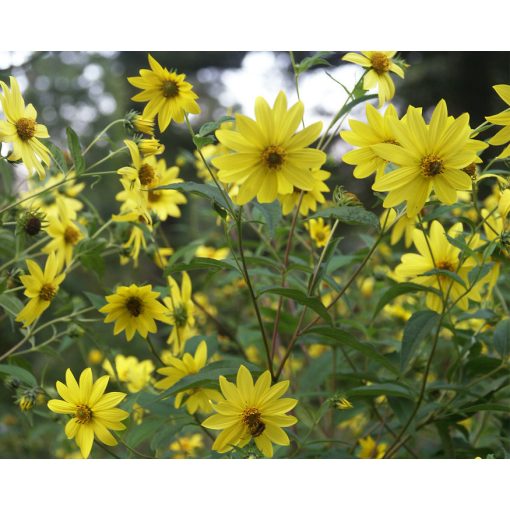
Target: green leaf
(486,407)
(212,193)
(309,62)
(90,253)
(417,328)
(11,304)
(201,263)
(479,272)
(502,338)
(350,215)
(374,390)
(311,302)
(271,213)
(74,148)
(7,173)
(398,290)
(95,299)
(58,156)
(211,127)
(349,341)
(144,431)
(445,272)
(202,141)
(20,373)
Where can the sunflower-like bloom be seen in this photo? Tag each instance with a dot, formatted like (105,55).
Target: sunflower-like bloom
(502,119)
(251,410)
(65,236)
(21,129)
(310,198)
(270,157)
(370,449)
(136,374)
(430,158)
(182,311)
(134,309)
(169,96)
(40,287)
(94,412)
(377,129)
(379,64)
(441,255)
(196,399)
(319,231)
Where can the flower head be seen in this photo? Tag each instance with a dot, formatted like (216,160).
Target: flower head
(319,231)
(136,374)
(40,287)
(186,446)
(269,158)
(94,412)
(370,449)
(134,309)
(379,64)
(429,158)
(21,129)
(251,411)
(196,399)
(502,119)
(169,95)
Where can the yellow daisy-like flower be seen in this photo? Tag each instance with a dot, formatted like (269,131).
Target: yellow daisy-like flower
(94,412)
(377,129)
(196,399)
(370,449)
(270,157)
(251,410)
(134,309)
(169,96)
(441,255)
(310,198)
(379,64)
(21,129)
(209,252)
(319,231)
(430,158)
(40,287)
(65,236)
(136,374)
(182,311)
(502,119)
(186,446)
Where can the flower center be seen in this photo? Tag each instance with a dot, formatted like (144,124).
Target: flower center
(380,62)
(134,306)
(146,174)
(47,292)
(33,226)
(25,128)
(470,170)
(251,418)
(273,157)
(170,89)
(447,265)
(431,165)
(320,236)
(71,235)
(83,414)
(154,196)
(180,316)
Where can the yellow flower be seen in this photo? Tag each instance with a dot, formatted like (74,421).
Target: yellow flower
(143,124)
(270,157)
(93,410)
(65,236)
(21,129)
(310,198)
(379,64)
(169,96)
(186,446)
(196,399)
(209,252)
(150,146)
(95,357)
(140,172)
(502,119)
(136,374)
(40,287)
(182,309)
(316,350)
(251,410)
(377,129)
(429,157)
(442,255)
(370,449)
(161,256)
(319,231)
(138,413)
(134,309)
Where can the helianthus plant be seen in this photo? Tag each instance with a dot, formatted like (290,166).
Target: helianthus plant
(296,299)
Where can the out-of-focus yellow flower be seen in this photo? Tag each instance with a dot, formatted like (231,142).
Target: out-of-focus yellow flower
(161,256)
(210,252)
(95,357)
(316,350)
(186,446)
(367,287)
(319,231)
(370,449)
(138,413)
(502,119)
(136,374)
